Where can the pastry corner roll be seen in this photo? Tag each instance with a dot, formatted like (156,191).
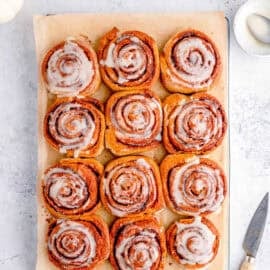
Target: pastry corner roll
(192,185)
(70,68)
(128,60)
(193,124)
(137,243)
(131,185)
(193,242)
(77,244)
(190,62)
(75,127)
(71,188)
(133,122)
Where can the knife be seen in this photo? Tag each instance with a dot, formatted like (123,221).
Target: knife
(254,234)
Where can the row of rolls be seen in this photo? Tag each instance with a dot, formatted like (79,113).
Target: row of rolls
(133,188)
(189,63)
(135,122)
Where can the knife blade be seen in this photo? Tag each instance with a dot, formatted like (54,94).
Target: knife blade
(256,227)
(254,233)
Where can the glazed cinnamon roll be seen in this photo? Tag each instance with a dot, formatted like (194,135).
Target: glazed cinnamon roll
(137,243)
(195,124)
(70,188)
(128,60)
(78,244)
(193,242)
(71,68)
(134,122)
(131,185)
(193,185)
(190,62)
(75,127)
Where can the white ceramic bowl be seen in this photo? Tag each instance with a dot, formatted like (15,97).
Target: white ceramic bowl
(242,34)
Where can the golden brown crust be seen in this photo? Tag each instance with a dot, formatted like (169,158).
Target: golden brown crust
(173,231)
(134,122)
(198,66)
(71,188)
(193,124)
(128,60)
(201,183)
(71,243)
(131,185)
(139,239)
(76,87)
(75,127)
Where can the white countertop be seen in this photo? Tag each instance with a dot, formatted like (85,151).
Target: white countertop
(249,120)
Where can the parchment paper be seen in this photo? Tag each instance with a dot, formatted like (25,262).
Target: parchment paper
(49,30)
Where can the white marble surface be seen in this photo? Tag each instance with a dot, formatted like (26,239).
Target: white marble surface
(249,119)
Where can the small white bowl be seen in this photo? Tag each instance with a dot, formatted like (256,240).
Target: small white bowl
(242,34)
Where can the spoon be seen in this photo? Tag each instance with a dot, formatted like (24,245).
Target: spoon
(259,26)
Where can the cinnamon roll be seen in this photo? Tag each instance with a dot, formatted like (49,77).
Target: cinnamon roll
(134,122)
(190,62)
(71,68)
(75,127)
(195,124)
(193,185)
(137,243)
(70,188)
(193,242)
(78,245)
(131,185)
(128,60)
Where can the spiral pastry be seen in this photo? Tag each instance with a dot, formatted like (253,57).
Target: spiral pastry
(128,61)
(131,185)
(70,188)
(134,122)
(192,185)
(71,68)
(195,124)
(78,245)
(193,242)
(75,127)
(190,62)
(137,243)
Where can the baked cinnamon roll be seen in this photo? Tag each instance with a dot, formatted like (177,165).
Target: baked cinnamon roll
(131,185)
(193,185)
(128,60)
(193,242)
(193,124)
(71,68)
(75,127)
(78,245)
(190,62)
(71,187)
(137,243)
(134,122)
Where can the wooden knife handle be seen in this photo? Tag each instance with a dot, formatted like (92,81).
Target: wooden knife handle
(248,263)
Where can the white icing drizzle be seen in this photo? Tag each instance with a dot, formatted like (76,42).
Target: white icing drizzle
(137,118)
(202,178)
(71,243)
(69,70)
(145,248)
(66,188)
(130,188)
(72,127)
(200,250)
(197,60)
(191,122)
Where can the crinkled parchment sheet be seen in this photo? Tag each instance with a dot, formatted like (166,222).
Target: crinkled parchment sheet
(49,30)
